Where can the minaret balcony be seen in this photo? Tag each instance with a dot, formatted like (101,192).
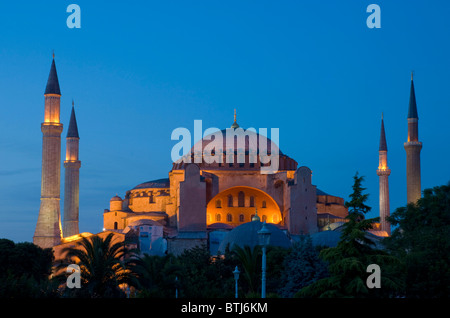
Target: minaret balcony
(384,172)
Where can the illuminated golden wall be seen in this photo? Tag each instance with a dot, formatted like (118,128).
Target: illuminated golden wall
(237,205)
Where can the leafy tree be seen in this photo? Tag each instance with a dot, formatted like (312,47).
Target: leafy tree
(102,270)
(302,266)
(421,241)
(203,276)
(348,261)
(25,269)
(156,275)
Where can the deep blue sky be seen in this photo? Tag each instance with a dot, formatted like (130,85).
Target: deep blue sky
(139,69)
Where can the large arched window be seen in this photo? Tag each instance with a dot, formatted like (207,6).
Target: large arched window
(241,199)
(252,201)
(218,217)
(230,200)
(115,225)
(241,218)
(229,218)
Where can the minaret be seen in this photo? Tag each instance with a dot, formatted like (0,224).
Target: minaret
(413,147)
(383,172)
(48,227)
(72,178)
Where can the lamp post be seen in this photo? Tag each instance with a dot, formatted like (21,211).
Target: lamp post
(236,278)
(264,239)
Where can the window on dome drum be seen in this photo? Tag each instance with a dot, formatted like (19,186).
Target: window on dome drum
(115,225)
(264,218)
(218,204)
(241,218)
(241,199)
(264,204)
(252,201)
(229,218)
(218,217)
(230,200)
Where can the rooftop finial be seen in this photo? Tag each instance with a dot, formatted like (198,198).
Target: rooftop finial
(53,54)
(235,124)
(412,75)
(72,103)
(381,115)
(256,217)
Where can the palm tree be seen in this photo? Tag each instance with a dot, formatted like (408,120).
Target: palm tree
(249,259)
(101,266)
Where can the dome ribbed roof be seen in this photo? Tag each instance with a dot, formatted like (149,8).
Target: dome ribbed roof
(159,183)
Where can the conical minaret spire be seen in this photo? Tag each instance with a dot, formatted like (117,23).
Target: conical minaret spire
(48,227)
(413,147)
(72,166)
(383,172)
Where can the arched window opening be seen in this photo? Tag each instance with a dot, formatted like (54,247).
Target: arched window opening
(241,199)
(230,200)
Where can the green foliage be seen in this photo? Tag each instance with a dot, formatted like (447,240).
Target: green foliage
(24,270)
(102,270)
(348,261)
(421,241)
(250,264)
(301,267)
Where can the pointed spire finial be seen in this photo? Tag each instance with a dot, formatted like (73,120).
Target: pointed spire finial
(53,54)
(412,75)
(52,82)
(235,124)
(72,132)
(383,144)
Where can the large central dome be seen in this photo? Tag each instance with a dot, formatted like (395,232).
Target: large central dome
(244,146)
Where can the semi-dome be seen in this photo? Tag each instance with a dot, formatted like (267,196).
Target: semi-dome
(247,235)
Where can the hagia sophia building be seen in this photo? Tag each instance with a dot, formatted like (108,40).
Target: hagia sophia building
(215,204)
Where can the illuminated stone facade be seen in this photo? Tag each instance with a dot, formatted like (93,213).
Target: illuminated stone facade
(198,198)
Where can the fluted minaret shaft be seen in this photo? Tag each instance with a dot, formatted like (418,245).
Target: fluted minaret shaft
(48,227)
(71,179)
(413,147)
(383,172)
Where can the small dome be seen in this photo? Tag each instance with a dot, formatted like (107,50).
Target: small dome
(247,234)
(116,198)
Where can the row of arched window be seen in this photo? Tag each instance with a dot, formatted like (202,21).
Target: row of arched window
(229,218)
(241,201)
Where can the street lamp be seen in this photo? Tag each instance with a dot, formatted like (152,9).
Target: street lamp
(264,239)
(236,278)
